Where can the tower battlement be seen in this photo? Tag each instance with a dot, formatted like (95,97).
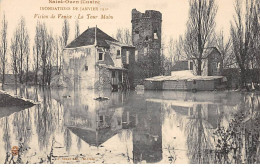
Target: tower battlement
(148,14)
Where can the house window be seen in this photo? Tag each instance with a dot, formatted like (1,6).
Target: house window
(101,56)
(194,82)
(155,35)
(136,32)
(118,53)
(113,74)
(146,38)
(86,68)
(101,118)
(127,57)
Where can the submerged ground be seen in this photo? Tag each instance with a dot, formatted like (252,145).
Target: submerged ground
(69,126)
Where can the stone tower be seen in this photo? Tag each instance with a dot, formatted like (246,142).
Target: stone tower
(146,37)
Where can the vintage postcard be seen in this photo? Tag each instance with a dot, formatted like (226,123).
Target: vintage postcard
(129,82)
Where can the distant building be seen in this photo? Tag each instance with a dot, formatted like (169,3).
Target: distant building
(211,63)
(146,37)
(96,60)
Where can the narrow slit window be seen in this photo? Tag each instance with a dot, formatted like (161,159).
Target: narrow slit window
(155,34)
(136,55)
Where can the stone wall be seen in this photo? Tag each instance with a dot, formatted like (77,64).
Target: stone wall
(79,66)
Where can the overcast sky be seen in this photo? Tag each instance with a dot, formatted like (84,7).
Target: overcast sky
(175,13)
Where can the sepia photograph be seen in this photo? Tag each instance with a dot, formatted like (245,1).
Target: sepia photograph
(129,82)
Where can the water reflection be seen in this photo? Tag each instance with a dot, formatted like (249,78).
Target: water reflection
(69,126)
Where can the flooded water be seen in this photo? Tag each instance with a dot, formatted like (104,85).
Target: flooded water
(68,126)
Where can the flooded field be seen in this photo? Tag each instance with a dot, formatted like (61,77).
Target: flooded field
(68,126)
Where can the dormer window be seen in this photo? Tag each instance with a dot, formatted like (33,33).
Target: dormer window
(155,34)
(101,56)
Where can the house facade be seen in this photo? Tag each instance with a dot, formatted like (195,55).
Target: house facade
(212,64)
(96,60)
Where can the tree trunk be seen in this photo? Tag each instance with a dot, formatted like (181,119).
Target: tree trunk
(3,77)
(27,69)
(21,70)
(242,78)
(36,70)
(199,71)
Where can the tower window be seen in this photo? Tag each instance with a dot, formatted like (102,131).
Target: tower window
(136,55)
(86,68)
(101,56)
(145,51)
(155,35)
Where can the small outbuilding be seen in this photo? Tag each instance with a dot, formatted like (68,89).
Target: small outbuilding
(185,80)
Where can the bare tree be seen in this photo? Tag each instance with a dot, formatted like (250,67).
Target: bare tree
(61,47)
(27,53)
(23,44)
(47,53)
(77,30)
(119,35)
(51,58)
(241,35)
(200,28)
(3,47)
(65,32)
(57,51)
(225,48)
(37,50)
(170,49)
(124,36)
(127,37)
(44,50)
(14,54)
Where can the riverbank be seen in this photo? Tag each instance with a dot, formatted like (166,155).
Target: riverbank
(7,100)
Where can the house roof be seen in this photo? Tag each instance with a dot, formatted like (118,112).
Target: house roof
(120,44)
(209,50)
(93,137)
(183,75)
(88,38)
(111,67)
